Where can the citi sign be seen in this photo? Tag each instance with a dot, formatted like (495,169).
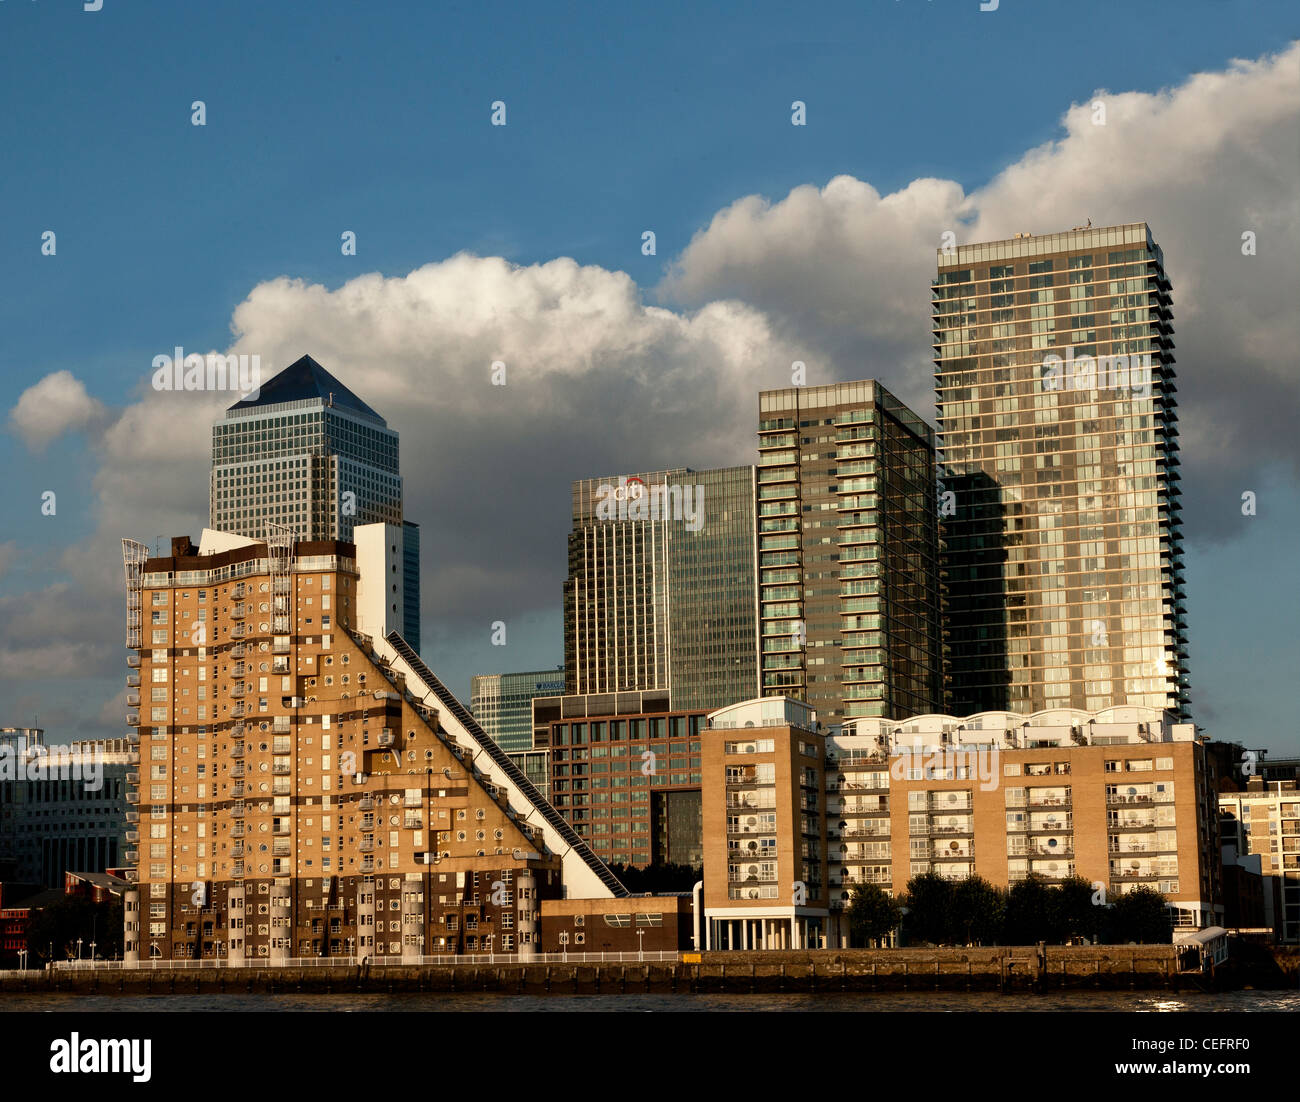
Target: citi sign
(633,499)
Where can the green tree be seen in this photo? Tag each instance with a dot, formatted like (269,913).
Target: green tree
(1076,913)
(872,913)
(930,915)
(1141,915)
(1032,913)
(978,909)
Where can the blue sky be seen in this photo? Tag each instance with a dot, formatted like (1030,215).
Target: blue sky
(375,118)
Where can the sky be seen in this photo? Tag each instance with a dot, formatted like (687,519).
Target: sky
(524,243)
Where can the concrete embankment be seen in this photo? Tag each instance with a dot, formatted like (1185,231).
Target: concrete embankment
(1010,969)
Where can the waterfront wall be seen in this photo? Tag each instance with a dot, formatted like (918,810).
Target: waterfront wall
(1010,969)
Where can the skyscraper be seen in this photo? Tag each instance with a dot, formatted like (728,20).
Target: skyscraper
(503,704)
(1054,371)
(308,454)
(661,586)
(848,552)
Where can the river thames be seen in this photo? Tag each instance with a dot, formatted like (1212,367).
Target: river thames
(1231,1002)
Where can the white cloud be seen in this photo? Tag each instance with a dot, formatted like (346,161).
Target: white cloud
(844,272)
(57,404)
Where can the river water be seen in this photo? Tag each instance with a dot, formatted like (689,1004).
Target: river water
(1232,1002)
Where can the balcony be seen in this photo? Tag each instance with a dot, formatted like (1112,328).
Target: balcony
(237,670)
(1047,801)
(238,830)
(237,791)
(133,797)
(385,738)
(413,822)
(133,719)
(280,829)
(131,856)
(132,816)
(752,854)
(238,592)
(238,871)
(237,711)
(1065,824)
(238,631)
(133,836)
(279,665)
(237,850)
(239,612)
(281,849)
(238,690)
(413,801)
(133,661)
(280,725)
(1115,826)
(133,757)
(237,751)
(366,846)
(366,803)
(133,700)
(280,623)
(133,778)
(238,650)
(737,879)
(367,864)
(281,585)
(237,770)
(280,768)
(237,730)
(133,681)
(966,830)
(1114,798)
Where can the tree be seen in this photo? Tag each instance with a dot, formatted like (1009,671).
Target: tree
(978,909)
(1141,915)
(1076,913)
(930,914)
(872,913)
(1032,913)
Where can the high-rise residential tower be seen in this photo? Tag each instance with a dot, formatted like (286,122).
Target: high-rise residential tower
(661,586)
(848,552)
(1058,442)
(306,453)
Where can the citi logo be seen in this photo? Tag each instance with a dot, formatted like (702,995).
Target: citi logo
(103,1057)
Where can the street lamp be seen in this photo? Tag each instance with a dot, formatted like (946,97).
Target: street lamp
(78,948)
(640,935)
(22,959)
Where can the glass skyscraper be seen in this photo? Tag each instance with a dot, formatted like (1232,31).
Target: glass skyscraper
(1058,439)
(661,587)
(503,704)
(308,454)
(848,552)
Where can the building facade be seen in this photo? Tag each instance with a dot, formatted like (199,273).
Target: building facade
(312,791)
(503,704)
(625,773)
(848,552)
(765,828)
(307,454)
(660,592)
(1058,440)
(1262,823)
(63,809)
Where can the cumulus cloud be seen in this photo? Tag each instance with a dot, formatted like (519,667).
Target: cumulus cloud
(844,272)
(57,404)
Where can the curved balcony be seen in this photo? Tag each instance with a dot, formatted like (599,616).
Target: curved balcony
(133,681)
(133,719)
(133,661)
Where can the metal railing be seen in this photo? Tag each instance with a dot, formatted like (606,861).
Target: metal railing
(649,956)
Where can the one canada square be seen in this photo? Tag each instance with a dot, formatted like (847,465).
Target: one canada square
(1058,444)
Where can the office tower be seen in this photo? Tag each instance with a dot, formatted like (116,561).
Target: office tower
(848,552)
(503,704)
(308,454)
(1058,441)
(625,773)
(306,780)
(661,586)
(63,808)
